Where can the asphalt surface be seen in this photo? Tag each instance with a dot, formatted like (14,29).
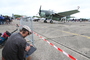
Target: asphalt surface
(72,37)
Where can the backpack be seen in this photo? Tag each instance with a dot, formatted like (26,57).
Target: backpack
(4,37)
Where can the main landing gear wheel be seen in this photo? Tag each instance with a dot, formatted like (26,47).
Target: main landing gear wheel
(51,21)
(45,21)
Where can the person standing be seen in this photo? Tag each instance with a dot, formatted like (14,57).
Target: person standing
(15,46)
(1,20)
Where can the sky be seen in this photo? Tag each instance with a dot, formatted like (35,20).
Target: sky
(31,7)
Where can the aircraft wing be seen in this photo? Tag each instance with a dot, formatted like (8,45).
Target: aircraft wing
(66,13)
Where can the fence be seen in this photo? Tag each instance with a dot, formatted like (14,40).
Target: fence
(28,21)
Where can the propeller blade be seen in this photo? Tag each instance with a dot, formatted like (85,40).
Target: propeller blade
(40,10)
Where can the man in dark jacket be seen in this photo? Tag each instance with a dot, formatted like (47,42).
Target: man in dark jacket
(1,20)
(16,45)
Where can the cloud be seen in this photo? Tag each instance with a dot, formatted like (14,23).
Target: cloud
(31,7)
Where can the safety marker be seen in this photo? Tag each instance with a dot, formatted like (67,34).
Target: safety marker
(68,55)
(56,47)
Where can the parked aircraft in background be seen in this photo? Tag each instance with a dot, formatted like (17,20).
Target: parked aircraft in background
(55,16)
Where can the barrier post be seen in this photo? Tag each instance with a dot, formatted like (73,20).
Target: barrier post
(29,22)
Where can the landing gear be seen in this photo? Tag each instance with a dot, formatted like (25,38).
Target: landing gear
(45,21)
(51,21)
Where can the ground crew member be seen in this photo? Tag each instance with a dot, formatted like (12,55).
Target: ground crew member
(16,45)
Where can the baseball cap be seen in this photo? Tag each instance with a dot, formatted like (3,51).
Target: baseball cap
(27,28)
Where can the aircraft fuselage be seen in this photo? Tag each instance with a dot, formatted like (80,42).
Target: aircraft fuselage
(45,13)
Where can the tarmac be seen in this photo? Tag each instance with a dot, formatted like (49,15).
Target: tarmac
(71,37)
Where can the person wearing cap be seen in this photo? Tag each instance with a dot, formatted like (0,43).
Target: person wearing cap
(15,46)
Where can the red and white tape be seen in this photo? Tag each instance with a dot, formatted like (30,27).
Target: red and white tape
(68,55)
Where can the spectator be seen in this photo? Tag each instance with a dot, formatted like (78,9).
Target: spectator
(15,46)
(7,19)
(1,20)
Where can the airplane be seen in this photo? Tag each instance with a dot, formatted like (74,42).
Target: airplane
(47,14)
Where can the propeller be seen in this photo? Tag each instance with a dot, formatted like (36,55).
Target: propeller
(40,10)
